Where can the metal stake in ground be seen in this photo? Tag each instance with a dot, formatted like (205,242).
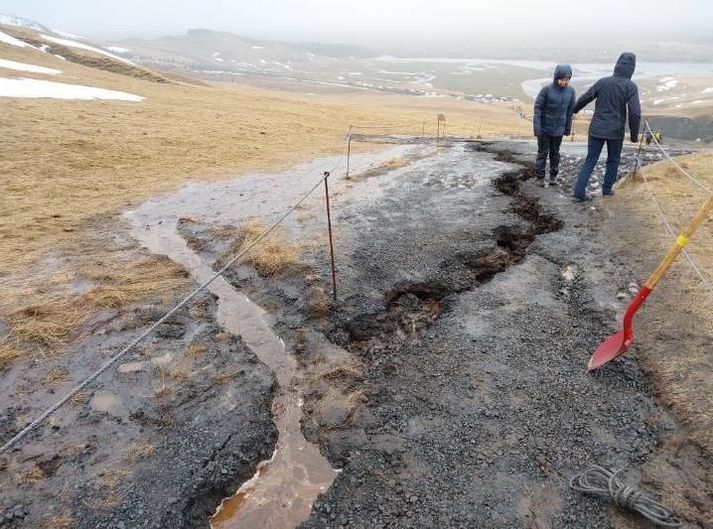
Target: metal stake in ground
(349,149)
(616,345)
(331,244)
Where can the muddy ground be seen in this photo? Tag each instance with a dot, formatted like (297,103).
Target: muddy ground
(154,442)
(469,302)
(447,381)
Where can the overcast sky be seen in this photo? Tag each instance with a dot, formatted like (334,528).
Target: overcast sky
(330,19)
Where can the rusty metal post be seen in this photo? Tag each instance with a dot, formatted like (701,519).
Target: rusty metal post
(349,151)
(331,243)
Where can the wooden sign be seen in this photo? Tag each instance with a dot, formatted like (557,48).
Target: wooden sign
(441,117)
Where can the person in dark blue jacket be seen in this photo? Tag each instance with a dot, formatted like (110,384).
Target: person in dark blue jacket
(551,120)
(614,95)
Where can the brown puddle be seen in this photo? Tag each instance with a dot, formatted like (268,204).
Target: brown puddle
(282,492)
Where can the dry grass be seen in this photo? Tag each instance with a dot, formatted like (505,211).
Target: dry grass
(223,377)
(335,408)
(105,503)
(122,285)
(68,167)
(675,328)
(57,375)
(48,323)
(61,521)
(111,478)
(9,351)
(43,317)
(389,165)
(29,477)
(196,350)
(272,256)
(345,374)
(137,451)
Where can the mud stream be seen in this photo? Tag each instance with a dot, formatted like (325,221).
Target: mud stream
(281,493)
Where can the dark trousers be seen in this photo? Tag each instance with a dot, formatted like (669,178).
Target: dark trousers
(594,149)
(548,146)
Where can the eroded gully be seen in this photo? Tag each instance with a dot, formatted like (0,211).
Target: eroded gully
(281,493)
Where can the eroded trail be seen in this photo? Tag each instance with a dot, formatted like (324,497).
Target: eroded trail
(281,493)
(470,301)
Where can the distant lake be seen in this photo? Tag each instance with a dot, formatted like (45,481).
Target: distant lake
(584,73)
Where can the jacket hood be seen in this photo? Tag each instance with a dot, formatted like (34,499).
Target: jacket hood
(562,70)
(625,66)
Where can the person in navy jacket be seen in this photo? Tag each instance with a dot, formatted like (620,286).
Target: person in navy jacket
(551,120)
(614,96)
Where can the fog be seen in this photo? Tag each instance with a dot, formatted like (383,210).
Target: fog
(377,22)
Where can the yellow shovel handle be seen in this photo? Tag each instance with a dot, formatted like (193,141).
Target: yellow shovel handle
(681,242)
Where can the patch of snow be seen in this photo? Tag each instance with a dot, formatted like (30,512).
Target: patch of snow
(12,41)
(658,101)
(118,49)
(666,84)
(354,74)
(23,67)
(258,47)
(218,59)
(44,48)
(60,57)
(215,54)
(390,72)
(33,88)
(67,35)
(81,46)
(697,102)
(707,91)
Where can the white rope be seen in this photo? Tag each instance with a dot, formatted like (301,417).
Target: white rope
(674,162)
(604,482)
(685,253)
(91,378)
(706,283)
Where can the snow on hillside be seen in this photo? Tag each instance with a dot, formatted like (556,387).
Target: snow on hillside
(33,88)
(82,46)
(24,67)
(10,20)
(19,22)
(12,41)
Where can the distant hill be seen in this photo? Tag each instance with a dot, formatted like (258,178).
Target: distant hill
(203,49)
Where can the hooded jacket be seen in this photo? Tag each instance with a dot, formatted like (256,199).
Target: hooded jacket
(554,106)
(614,96)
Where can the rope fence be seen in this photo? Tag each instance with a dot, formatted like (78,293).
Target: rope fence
(321,181)
(664,219)
(113,360)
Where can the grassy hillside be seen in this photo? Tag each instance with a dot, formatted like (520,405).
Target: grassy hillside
(68,167)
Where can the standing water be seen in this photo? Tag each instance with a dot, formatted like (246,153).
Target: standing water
(281,493)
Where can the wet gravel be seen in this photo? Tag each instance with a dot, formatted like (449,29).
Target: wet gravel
(479,407)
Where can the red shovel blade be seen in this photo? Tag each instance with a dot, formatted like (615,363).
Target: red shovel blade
(610,349)
(617,344)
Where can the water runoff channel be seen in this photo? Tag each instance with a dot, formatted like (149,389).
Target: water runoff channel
(281,493)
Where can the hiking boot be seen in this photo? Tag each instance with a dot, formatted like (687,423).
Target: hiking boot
(586,198)
(607,193)
(541,182)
